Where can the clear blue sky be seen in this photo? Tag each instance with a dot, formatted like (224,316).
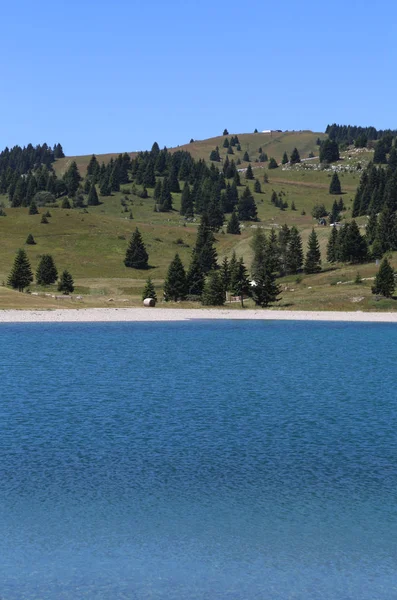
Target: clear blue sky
(116,76)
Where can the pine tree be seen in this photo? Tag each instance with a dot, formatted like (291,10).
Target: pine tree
(46,272)
(272,163)
(72,179)
(370,231)
(233,225)
(313,256)
(239,282)
(332,246)
(175,285)
(136,256)
(285,159)
(195,277)
(257,187)
(166,197)
(33,210)
(30,240)
(294,254)
(204,247)
(265,291)
(92,199)
(246,157)
(236,179)
(249,173)
(66,283)
(213,293)
(44,220)
(246,207)
(65,203)
(295,158)
(225,274)
(149,290)
(21,274)
(225,132)
(384,280)
(334,186)
(226,143)
(186,201)
(214,156)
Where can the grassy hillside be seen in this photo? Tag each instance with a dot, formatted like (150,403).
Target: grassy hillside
(91,242)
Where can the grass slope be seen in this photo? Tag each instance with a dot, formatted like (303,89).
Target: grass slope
(92,243)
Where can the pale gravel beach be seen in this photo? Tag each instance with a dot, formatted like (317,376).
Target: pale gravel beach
(107,315)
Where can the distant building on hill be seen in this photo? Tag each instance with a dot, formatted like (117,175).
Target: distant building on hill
(267,131)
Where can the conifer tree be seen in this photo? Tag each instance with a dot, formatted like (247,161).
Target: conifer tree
(93,167)
(33,210)
(215,156)
(239,282)
(233,225)
(384,280)
(294,254)
(72,179)
(175,285)
(272,163)
(246,157)
(204,247)
(295,158)
(30,240)
(46,272)
(66,283)
(225,274)
(226,143)
(313,256)
(225,132)
(265,291)
(249,173)
(213,293)
(21,274)
(166,197)
(136,256)
(186,201)
(44,220)
(149,290)
(370,231)
(195,277)
(257,187)
(334,186)
(92,199)
(332,246)
(236,179)
(246,207)
(285,159)
(259,247)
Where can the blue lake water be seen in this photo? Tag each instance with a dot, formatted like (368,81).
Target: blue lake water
(191,461)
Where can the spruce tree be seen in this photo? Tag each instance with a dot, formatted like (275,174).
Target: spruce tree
(195,277)
(239,282)
(370,231)
(92,199)
(225,274)
(249,173)
(257,187)
(295,158)
(272,164)
(246,207)
(294,253)
(30,240)
(175,285)
(246,157)
(186,201)
(384,280)
(72,179)
(265,291)
(46,272)
(233,225)
(285,159)
(166,197)
(213,293)
(33,208)
(334,186)
(332,246)
(21,274)
(66,283)
(313,256)
(136,256)
(149,290)
(204,247)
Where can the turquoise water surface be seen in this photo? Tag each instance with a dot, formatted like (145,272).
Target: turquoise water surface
(198,460)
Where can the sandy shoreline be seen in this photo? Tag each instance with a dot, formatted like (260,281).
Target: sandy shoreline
(103,315)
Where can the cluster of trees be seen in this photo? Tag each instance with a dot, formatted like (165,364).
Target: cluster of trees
(29,158)
(347,244)
(21,275)
(329,151)
(383,148)
(294,158)
(349,134)
(377,189)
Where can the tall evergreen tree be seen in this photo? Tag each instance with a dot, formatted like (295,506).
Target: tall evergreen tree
(249,173)
(272,163)
(186,201)
(233,225)
(166,197)
(332,246)
(204,247)
(21,274)
(175,285)
(294,254)
(370,231)
(313,256)
(246,157)
(257,187)
(246,207)
(136,256)
(265,291)
(285,159)
(239,282)
(295,158)
(195,277)
(213,293)
(72,179)
(334,186)
(46,271)
(66,283)
(92,199)
(384,281)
